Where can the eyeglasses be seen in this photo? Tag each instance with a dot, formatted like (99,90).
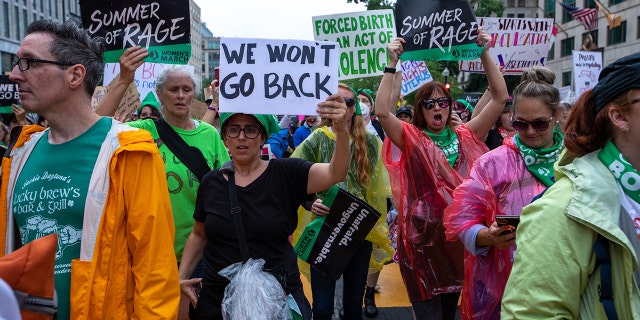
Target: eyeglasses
(350,102)
(443,103)
(250,132)
(24,63)
(537,125)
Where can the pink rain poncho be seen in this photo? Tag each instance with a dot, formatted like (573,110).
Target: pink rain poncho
(499,184)
(422,183)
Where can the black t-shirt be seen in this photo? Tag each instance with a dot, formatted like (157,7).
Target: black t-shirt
(494,139)
(269,214)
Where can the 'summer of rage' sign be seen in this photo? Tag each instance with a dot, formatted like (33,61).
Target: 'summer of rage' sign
(517,43)
(437,30)
(163,27)
(267,76)
(363,38)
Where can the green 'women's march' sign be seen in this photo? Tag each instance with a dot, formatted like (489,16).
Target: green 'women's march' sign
(437,30)
(163,27)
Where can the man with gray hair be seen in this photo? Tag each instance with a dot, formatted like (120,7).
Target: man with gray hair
(84,178)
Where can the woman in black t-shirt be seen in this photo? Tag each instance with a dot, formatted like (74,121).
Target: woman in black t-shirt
(269,193)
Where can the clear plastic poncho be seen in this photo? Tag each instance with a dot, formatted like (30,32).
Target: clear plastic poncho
(422,182)
(318,147)
(499,184)
(253,294)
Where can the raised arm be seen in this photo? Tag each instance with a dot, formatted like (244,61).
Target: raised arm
(385,105)
(210,115)
(130,60)
(486,118)
(324,175)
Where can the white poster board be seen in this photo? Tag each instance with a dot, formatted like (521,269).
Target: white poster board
(414,75)
(517,43)
(363,38)
(586,70)
(145,78)
(269,76)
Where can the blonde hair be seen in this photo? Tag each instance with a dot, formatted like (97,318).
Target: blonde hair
(358,133)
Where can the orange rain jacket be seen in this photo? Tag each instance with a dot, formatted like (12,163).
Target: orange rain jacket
(127,268)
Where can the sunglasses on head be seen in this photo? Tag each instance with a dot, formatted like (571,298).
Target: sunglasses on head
(350,102)
(537,125)
(443,103)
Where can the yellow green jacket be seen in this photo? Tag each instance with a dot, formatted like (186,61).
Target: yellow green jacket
(127,268)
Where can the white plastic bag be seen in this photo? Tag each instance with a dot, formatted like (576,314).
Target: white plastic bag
(253,294)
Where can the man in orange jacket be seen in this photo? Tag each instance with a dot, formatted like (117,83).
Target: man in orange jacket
(98,184)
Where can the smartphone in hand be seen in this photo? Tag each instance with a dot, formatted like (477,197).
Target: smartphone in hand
(510,221)
(216,75)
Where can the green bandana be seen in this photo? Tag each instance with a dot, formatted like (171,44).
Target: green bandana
(627,176)
(448,142)
(540,161)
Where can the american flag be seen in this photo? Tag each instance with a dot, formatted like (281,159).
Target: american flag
(587,16)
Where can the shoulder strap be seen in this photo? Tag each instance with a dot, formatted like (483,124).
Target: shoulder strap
(603,260)
(13,138)
(191,156)
(235,210)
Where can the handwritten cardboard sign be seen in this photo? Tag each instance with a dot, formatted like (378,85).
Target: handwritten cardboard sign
(8,93)
(329,242)
(586,70)
(363,39)
(266,76)
(517,43)
(98,95)
(164,27)
(414,74)
(437,30)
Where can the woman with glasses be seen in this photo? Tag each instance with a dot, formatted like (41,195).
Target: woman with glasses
(502,182)
(433,160)
(365,180)
(269,192)
(578,245)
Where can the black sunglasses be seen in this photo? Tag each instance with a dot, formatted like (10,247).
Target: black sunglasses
(350,102)
(443,103)
(537,125)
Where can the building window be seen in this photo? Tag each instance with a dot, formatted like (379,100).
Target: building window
(521,3)
(17,23)
(5,16)
(612,2)
(551,54)
(617,35)
(511,3)
(550,9)
(638,29)
(25,19)
(566,16)
(566,78)
(589,40)
(590,4)
(520,15)
(566,47)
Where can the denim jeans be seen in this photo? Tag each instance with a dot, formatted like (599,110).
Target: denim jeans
(355,279)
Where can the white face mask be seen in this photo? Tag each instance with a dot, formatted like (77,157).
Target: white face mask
(365,110)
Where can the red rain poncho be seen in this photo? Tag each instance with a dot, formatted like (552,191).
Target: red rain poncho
(422,183)
(499,184)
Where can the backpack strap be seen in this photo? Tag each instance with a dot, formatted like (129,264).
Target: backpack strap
(191,156)
(235,210)
(13,138)
(603,260)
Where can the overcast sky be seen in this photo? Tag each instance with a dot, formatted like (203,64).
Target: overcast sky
(271,19)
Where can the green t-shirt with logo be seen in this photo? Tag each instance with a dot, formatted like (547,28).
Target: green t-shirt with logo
(183,184)
(50,196)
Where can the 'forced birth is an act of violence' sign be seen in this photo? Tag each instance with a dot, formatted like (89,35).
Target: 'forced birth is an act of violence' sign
(163,27)
(437,30)
(268,76)
(363,38)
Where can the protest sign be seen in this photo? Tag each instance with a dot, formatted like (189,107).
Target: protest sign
(329,242)
(363,38)
(145,77)
(586,70)
(516,43)
(198,109)
(128,105)
(437,30)
(98,95)
(267,76)
(8,94)
(163,27)
(566,94)
(471,97)
(414,74)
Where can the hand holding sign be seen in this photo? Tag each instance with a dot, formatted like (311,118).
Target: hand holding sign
(334,108)
(130,61)
(394,50)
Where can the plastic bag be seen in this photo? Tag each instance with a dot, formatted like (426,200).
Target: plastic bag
(253,294)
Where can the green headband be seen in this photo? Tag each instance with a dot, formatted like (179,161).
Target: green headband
(355,96)
(268,121)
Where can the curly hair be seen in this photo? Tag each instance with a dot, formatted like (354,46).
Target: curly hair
(358,133)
